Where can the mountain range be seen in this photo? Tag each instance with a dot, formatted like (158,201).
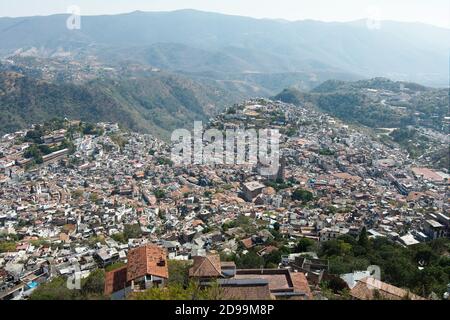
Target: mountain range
(225,46)
(156,71)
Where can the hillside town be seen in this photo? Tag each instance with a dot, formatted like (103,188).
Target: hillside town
(78,197)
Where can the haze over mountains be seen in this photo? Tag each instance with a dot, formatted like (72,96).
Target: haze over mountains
(230,47)
(157,71)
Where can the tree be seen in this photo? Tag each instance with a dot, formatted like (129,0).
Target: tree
(302,195)
(94,283)
(425,256)
(399,265)
(119,237)
(160,194)
(251,260)
(67,144)
(34,135)
(326,152)
(178,272)
(277,236)
(431,279)
(347,264)
(228,256)
(177,292)
(7,246)
(132,231)
(92,288)
(89,129)
(335,248)
(337,285)
(273,259)
(207,194)
(55,290)
(276,226)
(303,245)
(363,239)
(45,149)
(162,214)
(93,197)
(164,161)
(33,152)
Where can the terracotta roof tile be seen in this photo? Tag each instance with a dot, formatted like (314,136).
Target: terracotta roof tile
(257,292)
(208,266)
(300,283)
(277,281)
(248,243)
(365,290)
(147,260)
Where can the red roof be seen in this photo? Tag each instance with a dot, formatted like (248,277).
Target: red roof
(367,288)
(208,266)
(248,243)
(300,283)
(147,260)
(246,292)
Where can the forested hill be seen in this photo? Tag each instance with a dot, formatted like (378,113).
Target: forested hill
(155,103)
(377,102)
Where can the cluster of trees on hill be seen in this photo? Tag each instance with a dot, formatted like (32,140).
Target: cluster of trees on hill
(418,144)
(350,102)
(130,231)
(410,138)
(92,288)
(152,103)
(423,268)
(38,149)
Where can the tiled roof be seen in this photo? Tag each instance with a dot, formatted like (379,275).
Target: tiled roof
(208,266)
(147,260)
(248,243)
(427,174)
(300,283)
(366,288)
(246,291)
(347,176)
(278,280)
(267,250)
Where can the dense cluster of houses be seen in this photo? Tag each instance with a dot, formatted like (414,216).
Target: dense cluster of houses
(71,213)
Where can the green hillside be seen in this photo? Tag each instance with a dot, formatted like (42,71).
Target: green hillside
(152,103)
(377,102)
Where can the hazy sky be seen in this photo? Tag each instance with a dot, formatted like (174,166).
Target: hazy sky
(436,12)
